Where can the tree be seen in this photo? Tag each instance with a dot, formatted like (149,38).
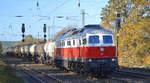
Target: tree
(134,35)
(28,40)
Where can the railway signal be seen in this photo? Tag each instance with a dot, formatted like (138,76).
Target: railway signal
(44,30)
(118,22)
(23,40)
(23,31)
(79,3)
(23,27)
(118,27)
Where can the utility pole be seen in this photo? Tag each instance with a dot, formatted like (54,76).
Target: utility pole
(83,17)
(49,32)
(38,35)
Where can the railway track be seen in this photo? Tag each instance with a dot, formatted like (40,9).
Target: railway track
(38,76)
(47,74)
(133,74)
(57,80)
(43,77)
(31,75)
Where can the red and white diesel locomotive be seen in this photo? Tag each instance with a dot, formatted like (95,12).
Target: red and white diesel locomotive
(89,49)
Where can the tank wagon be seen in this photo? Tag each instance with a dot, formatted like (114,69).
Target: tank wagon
(23,51)
(39,52)
(16,50)
(49,50)
(32,52)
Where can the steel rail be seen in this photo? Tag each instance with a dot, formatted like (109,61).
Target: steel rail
(45,74)
(134,74)
(33,76)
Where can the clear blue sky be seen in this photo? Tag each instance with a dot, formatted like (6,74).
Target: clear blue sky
(34,17)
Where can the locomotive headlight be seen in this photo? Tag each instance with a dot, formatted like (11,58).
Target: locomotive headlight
(101,49)
(90,60)
(113,59)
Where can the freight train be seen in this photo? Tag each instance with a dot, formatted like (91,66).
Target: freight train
(90,49)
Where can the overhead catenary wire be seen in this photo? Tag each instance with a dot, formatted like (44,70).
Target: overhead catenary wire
(55,9)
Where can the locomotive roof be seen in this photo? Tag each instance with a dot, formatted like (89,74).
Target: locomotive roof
(77,33)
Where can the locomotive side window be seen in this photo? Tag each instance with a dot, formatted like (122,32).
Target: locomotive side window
(94,39)
(79,42)
(60,44)
(84,41)
(107,39)
(73,42)
(68,43)
(63,43)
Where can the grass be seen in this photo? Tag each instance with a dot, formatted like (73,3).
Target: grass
(147,65)
(7,75)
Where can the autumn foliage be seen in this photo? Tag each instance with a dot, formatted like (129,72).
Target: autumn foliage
(134,35)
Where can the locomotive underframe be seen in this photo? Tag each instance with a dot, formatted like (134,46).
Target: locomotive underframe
(101,66)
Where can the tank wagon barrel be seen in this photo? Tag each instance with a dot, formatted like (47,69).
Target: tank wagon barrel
(49,50)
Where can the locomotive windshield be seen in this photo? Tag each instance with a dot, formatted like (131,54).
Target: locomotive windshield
(94,39)
(107,39)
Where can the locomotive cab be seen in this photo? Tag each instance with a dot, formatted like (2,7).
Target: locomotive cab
(101,53)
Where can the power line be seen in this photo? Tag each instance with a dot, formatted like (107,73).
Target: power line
(59,6)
